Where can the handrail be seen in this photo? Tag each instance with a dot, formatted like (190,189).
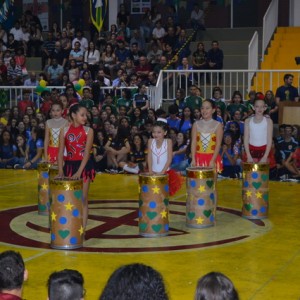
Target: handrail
(270,22)
(253,56)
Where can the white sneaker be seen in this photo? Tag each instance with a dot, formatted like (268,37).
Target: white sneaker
(134,170)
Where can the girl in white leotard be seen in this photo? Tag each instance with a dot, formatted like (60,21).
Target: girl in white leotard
(159,149)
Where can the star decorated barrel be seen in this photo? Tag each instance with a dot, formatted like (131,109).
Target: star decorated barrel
(66,222)
(201,202)
(153,205)
(255,191)
(43,188)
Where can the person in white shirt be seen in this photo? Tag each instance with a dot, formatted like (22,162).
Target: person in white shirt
(17,31)
(82,40)
(197,18)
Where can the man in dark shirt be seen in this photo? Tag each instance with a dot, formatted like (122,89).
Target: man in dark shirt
(215,58)
(288,144)
(59,55)
(287,92)
(47,49)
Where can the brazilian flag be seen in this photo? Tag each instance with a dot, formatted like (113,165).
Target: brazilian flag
(98,10)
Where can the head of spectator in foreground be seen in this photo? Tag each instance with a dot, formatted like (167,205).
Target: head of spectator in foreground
(215,286)
(66,285)
(135,282)
(12,273)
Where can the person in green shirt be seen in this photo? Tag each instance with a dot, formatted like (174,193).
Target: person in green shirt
(108,101)
(125,100)
(194,100)
(86,100)
(217,97)
(237,104)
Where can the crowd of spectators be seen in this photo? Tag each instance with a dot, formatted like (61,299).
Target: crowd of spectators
(123,119)
(128,282)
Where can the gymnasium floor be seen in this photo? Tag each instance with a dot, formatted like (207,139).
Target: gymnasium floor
(262,258)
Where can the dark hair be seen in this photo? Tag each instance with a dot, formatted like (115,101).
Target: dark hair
(12,270)
(65,285)
(215,286)
(214,106)
(40,133)
(236,135)
(237,93)
(182,118)
(286,76)
(162,124)
(135,282)
(127,93)
(230,133)
(74,108)
(173,109)
(133,146)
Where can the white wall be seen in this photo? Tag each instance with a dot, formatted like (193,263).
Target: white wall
(294,13)
(113,11)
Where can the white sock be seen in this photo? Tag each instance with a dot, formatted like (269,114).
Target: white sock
(134,170)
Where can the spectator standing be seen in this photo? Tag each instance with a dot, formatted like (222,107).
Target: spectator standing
(215,58)
(199,61)
(55,72)
(193,101)
(47,49)
(92,57)
(77,54)
(287,92)
(59,54)
(14,73)
(123,16)
(35,41)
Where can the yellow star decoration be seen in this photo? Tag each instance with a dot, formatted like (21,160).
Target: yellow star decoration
(249,193)
(81,230)
(163,214)
(258,195)
(156,190)
(199,220)
(44,186)
(69,206)
(53,216)
(201,188)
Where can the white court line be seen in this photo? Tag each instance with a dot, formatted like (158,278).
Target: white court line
(15,183)
(35,256)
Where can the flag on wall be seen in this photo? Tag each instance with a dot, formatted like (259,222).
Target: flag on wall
(7,4)
(98,9)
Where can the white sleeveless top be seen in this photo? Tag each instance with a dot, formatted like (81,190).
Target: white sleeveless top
(258,132)
(159,155)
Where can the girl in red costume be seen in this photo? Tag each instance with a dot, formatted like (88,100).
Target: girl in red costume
(207,135)
(78,140)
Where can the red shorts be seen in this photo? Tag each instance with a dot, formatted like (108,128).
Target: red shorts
(257,153)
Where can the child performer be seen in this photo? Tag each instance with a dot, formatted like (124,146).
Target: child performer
(160,155)
(52,130)
(258,134)
(159,149)
(78,140)
(207,135)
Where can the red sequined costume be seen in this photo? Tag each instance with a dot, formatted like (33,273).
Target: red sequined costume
(75,141)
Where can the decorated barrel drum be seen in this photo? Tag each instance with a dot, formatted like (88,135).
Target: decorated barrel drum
(255,191)
(53,171)
(201,202)
(153,205)
(66,223)
(43,188)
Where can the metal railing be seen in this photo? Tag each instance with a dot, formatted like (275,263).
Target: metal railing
(253,55)
(270,22)
(230,81)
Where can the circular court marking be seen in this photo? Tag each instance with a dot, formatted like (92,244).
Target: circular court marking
(113,228)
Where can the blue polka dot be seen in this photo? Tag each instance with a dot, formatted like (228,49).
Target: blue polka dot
(53,237)
(48,205)
(246,184)
(263,209)
(145,188)
(212,196)
(193,183)
(254,212)
(45,175)
(211,218)
(61,198)
(254,175)
(140,214)
(166,227)
(75,213)
(73,240)
(166,187)
(201,202)
(152,204)
(63,220)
